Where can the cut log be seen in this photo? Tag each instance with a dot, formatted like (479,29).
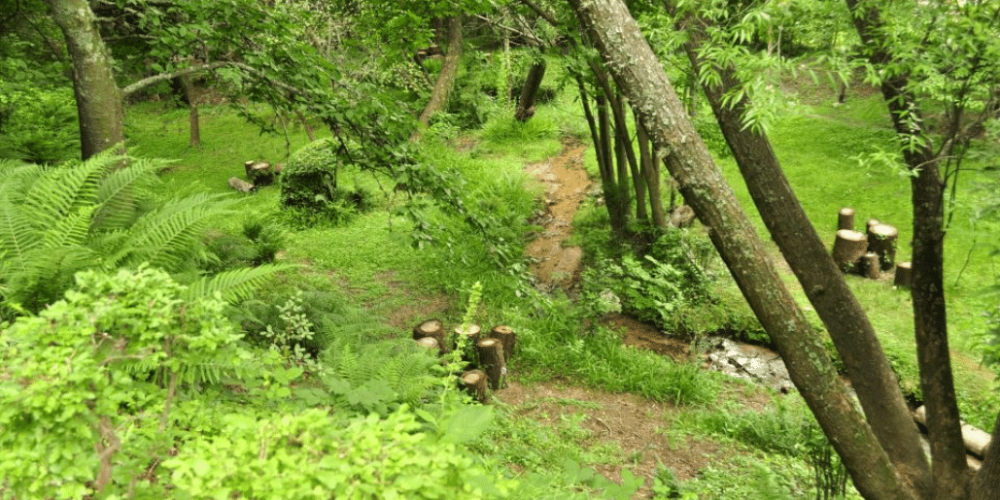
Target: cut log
(474,382)
(492,361)
(429,343)
(848,248)
(845,219)
(432,328)
(507,337)
(470,334)
(882,240)
(976,440)
(870,266)
(240,185)
(872,222)
(259,172)
(904,270)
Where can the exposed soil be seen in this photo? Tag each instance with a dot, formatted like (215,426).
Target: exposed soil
(566,185)
(635,424)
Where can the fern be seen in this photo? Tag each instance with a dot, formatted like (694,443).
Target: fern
(235,285)
(115,194)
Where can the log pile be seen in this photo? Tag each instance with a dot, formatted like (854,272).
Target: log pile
(487,369)
(871,253)
(977,441)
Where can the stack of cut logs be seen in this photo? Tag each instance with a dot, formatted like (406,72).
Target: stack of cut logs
(259,173)
(492,352)
(977,441)
(868,253)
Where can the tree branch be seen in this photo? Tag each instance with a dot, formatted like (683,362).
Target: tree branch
(152,80)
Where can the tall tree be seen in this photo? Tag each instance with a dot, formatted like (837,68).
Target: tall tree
(821,279)
(446,78)
(639,73)
(99,101)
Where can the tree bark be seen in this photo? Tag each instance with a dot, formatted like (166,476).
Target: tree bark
(640,75)
(99,102)
(651,171)
(848,248)
(882,240)
(986,484)
(529,92)
(904,273)
(845,219)
(446,79)
(828,292)
(950,469)
(491,359)
(474,383)
(507,337)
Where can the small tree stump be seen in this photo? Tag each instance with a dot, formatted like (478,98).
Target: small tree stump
(429,343)
(882,240)
(870,266)
(474,382)
(492,361)
(259,172)
(507,337)
(470,334)
(431,328)
(904,273)
(845,219)
(848,248)
(240,185)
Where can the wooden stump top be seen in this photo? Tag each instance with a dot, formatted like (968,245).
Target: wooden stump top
(473,377)
(429,342)
(883,231)
(851,235)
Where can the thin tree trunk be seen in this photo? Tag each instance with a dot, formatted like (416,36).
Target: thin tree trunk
(446,79)
(824,284)
(651,171)
(639,73)
(986,484)
(638,181)
(187,87)
(529,93)
(950,469)
(305,125)
(99,101)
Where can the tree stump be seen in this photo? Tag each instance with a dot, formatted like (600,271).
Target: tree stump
(882,240)
(870,266)
(429,343)
(491,359)
(431,328)
(872,222)
(474,382)
(259,172)
(470,334)
(240,185)
(507,337)
(904,272)
(845,219)
(848,248)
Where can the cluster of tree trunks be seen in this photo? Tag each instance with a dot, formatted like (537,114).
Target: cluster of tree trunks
(491,353)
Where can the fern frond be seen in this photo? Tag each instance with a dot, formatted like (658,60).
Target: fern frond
(61,190)
(167,237)
(70,231)
(18,235)
(115,192)
(234,285)
(42,275)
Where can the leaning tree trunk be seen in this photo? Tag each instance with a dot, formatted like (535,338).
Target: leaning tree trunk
(828,292)
(446,79)
(640,75)
(949,467)
(99,101)
(529,93)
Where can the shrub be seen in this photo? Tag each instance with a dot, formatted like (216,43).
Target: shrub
(310,178)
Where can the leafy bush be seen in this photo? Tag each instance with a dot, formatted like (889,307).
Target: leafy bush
(38,125)
(309,179)
(313,456)
(99,370)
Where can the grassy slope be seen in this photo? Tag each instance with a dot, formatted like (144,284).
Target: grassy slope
(371,260)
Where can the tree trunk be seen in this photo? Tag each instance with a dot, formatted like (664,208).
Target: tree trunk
(446,79)
(845,319)
(640,75)
(986,484)
(949,467)
(305,125)
(186,84)
(99,101)
(848,248)
(432,328)
(526,103)
(904,273)
(651,171)
(474,383)
(882,240)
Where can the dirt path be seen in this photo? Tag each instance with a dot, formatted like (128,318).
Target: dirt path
(566,185)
